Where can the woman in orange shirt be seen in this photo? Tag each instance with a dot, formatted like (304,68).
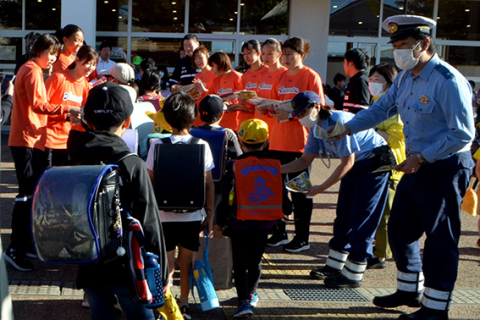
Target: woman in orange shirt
(27,142)
(251,78)
(289,137)
(226,81)
(68,87)
(204,78)
(271,54)
(71,37)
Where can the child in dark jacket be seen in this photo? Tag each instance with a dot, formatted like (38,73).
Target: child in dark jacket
(249,237)
(107,115)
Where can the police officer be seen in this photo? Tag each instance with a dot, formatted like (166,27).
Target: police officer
(434,101)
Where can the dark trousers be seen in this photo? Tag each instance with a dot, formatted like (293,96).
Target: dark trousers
(302,206)
(57,157)
(247,250)
(29,165)
(361,200)
(429,201)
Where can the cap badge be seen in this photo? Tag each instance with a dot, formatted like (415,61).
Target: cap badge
(393,27)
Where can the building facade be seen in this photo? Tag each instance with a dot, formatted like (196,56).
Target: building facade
(155,28)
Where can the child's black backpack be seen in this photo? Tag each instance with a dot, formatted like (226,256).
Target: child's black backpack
(179,175)
(218,141)
(76,214)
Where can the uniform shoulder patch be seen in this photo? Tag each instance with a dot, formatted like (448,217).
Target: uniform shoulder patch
(447,74)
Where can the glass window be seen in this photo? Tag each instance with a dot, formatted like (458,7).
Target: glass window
(165,51)
(465,59)
(158,16)
(354,18)
(264,17)
(43,15)
(417,7)
(119,47)
(112,15)
(386,55)
(11,15)
(336,52)
(458,20)
(213,16)
(10,49)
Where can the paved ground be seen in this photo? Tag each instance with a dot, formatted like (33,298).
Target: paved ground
(49,291)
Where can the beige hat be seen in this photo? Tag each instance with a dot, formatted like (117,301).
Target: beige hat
(122,72)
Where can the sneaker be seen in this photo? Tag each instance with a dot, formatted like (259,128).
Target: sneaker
(376,263)
(185,310)
(321,273)
(18,260)
(244,310)
(254,299)
(277,240)
(296,246)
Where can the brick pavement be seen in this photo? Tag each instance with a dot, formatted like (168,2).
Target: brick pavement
(49,291)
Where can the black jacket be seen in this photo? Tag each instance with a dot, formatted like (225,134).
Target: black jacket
(184,72)
(357,90)
(7,103)
(136,195)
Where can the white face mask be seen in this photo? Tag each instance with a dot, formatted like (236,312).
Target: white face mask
(308,121)
(404,58)
(376,89)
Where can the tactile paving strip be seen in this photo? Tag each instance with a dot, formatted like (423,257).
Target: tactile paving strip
(317,293)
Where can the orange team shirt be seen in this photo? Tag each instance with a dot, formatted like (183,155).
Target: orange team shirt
(30,108)
(291,136)
(63,89)
(207,79)
(222,85)
(250,81)
(264,90)
(62,62)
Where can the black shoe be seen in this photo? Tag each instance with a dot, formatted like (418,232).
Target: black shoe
(321,273)
(18,260)
(399,298)
(376,263)
(185,310)
(277,240)
(296,246)
(339,281)
(425,314)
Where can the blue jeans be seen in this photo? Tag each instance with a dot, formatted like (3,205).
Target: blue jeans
(102,301)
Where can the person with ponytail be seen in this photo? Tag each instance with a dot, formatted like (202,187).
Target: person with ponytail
(71,38)
(289,136)
(27,142)
(69,87)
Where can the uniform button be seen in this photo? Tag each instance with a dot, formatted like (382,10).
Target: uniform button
(408,108)
(406,122)
(406,137)
(411,93)
(421,109)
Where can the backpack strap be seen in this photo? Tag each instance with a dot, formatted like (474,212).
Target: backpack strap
(194,140)
(166,140)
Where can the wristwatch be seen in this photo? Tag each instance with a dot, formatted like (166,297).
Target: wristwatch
(421,159)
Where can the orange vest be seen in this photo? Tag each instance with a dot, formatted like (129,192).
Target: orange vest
(258,188)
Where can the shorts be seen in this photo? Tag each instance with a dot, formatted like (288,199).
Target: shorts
(184,234)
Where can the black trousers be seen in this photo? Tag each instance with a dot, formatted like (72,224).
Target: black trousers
(29,165)
(302,206)
(247,250)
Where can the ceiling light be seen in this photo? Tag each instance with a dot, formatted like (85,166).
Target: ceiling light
(360,22)
(335,7)
(467,10)
(174,3)
(231,19)
(242,4)
(174,11)
(106,2)
(113,10)
(401,8)
(175,18)
(53,9)
(468,26)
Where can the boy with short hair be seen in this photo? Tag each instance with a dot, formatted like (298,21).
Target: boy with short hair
(249,237)
(182,229)
(106,116)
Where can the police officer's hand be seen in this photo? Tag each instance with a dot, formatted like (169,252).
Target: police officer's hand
(340,136)
(410,165)
(313,191)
